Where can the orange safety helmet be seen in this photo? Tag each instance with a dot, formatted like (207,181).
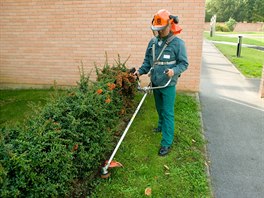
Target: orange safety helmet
(162,19)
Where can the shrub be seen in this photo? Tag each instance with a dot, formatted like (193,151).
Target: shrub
(221,28)
(59,149)
(231,24)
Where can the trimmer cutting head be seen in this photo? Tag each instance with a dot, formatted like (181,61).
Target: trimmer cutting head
(105,175)
(104,171)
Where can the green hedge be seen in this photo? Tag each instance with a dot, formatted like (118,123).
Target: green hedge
(58,151)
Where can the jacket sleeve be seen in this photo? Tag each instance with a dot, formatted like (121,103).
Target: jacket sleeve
(146,65)
(181,59)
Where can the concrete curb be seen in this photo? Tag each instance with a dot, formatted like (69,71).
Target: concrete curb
(207,162)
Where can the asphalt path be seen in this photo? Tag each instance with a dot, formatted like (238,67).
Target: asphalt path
(233,121)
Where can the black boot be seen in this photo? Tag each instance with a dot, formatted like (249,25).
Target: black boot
(164,150)
(157,130)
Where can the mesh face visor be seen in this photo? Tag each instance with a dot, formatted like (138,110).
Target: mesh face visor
(160,21)
(156,30)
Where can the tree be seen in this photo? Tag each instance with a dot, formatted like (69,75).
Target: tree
(249,5)
(208,14)
(224,9)
(240,10)
(258,11)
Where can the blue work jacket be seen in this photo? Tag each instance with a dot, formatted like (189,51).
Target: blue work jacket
(174,52)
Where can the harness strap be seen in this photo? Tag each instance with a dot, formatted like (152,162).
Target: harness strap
(162,51)
(165,45)
(153,52)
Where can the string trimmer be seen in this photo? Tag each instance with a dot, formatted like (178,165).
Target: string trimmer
(111,163)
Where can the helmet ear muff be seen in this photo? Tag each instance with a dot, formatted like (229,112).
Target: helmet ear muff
(174,18)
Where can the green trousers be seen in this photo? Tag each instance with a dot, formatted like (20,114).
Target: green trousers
(164,101)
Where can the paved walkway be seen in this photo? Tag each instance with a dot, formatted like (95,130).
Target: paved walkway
(233,119)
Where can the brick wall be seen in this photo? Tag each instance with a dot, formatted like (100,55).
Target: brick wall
(249,27)
(45,41)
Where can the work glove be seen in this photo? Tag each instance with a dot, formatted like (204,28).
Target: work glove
(134,72)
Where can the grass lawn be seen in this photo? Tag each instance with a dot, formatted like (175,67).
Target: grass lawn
(14,104)
(251,33)
(185,176)
(224,37)
(250,63)
(180,174)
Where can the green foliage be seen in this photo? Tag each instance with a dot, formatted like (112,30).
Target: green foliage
(240,10)
(221,27)
(208,14)
(254,11)
(223,9)
(58,150)
(231,24)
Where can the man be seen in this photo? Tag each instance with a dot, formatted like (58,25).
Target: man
(165,59)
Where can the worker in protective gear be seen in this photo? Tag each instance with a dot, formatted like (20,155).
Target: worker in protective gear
(165,58)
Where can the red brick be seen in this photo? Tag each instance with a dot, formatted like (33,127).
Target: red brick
(43,41)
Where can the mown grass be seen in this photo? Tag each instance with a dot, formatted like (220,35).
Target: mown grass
(224,37)
(186,176)
(251,33)
(250,63)
(14,104)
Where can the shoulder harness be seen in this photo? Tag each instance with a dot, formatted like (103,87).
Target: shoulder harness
(156,61)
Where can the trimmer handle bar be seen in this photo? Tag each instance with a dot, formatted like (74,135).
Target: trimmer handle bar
(149,87)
